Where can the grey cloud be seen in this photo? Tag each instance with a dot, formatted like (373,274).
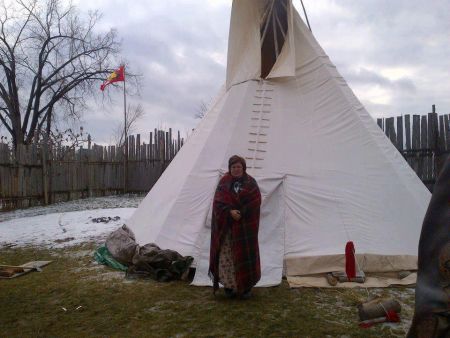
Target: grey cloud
(368,77)
(362,38)
(400,31)
(173,86)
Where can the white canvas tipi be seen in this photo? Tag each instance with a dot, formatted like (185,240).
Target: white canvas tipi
(326,171)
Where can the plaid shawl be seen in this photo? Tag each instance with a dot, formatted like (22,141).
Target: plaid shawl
(244,233)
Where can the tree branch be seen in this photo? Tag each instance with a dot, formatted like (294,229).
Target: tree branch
(49,55)
(8,127)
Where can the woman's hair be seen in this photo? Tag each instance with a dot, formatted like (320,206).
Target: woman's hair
(236,159)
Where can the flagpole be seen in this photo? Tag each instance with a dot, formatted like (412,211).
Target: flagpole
(125,157)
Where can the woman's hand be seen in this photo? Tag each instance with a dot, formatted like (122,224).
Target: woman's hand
(236,214)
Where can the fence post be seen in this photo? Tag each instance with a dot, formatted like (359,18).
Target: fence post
(424,145)
(407,132)
(379,122)
(44,154)
(400,133)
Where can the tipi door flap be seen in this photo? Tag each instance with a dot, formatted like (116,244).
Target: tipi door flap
(271,231)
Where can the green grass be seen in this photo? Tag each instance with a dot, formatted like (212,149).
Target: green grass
(111,306)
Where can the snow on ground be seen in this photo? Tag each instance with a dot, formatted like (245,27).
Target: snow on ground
(123,201)
(59,225)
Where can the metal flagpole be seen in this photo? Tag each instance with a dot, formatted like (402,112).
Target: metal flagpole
(125,157)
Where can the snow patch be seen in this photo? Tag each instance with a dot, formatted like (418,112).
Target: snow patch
(59,230)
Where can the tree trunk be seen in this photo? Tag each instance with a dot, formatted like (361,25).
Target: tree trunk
(18,137)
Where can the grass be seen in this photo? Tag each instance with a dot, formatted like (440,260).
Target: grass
(100,302)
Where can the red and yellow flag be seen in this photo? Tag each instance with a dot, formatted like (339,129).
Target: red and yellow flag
(115,76)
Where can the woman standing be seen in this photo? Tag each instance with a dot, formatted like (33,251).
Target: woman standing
(234,255)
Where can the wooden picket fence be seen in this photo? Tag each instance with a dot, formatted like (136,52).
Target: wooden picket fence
(424,141)
(38,174)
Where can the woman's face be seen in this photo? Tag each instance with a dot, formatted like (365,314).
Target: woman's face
(236,169)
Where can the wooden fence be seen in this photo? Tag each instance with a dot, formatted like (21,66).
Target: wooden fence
(38,174)
(424,141)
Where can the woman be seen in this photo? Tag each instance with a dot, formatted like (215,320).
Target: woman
(234,255)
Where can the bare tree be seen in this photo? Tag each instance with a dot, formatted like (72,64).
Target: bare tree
(50,59)
(134,114)
(202,109)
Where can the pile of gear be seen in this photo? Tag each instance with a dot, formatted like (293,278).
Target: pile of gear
(148,261)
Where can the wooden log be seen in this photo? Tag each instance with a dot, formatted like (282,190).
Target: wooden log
(173,149)
(151,147)
(441,138)
(416,132)
(167,143)
(46,192)
(90,173)
(424,132)
(433,135)
(433,132)
(390,130)
(400,133)
(424,146)
(377,308)
(156,145)
(447,131)
(415,161)
(160,146)
(441,156)
(2,153)
(170,142)
(379,122)
(138,147)
(162,149)
(407,132)
(133,147)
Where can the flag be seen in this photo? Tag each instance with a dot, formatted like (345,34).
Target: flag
(115,76)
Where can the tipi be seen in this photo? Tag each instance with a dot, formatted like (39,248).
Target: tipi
(326,171)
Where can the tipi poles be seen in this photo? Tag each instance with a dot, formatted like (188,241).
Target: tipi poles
(306,16)
(269,13)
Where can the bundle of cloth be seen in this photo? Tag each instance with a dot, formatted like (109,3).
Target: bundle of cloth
(149,260)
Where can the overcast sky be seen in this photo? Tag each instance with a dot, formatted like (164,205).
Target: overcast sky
(395,55)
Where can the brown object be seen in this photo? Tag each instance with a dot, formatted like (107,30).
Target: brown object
(342,277)
(8,272)
(331,279)
(16,267)
(378,308)
(13,271)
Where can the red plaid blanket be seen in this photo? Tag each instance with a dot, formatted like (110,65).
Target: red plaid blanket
(244,233)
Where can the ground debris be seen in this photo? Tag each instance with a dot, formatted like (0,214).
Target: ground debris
(64,240)
(105,219)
